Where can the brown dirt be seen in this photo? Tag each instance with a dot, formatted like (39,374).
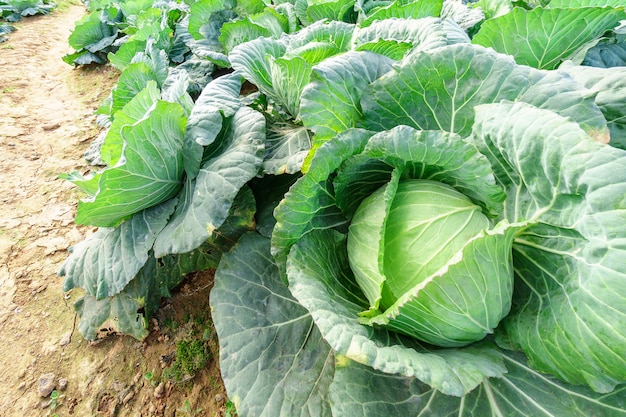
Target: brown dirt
(46,124)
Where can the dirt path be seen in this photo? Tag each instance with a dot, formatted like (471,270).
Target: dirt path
(46,123)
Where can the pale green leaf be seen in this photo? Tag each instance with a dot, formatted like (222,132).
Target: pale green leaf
(135,110)
(219,99)
(311,203)
(543,38)
(131,82)
(404,10)
(252,61)
(438,89)
(330,104)
(150,171)
(423,34)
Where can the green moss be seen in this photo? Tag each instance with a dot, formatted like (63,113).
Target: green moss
(191,356)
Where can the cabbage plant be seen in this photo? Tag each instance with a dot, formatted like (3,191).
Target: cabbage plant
(513,302)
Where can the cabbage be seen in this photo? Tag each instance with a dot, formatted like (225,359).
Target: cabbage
(425,230)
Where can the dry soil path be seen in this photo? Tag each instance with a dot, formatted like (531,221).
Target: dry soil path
(46,123)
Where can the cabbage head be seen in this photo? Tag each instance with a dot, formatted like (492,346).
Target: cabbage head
(425,229)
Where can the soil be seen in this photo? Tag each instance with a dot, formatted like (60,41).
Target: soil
(46,124)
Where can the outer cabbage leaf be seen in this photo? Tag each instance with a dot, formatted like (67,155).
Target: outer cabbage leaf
(289,76)
(104,263)
(174,90)
(310,202)
(320,10)
(562,4)
(465,15)
(276,21)
(202,19)
(119,313)
(281,68)
(421,34)
(286,147)
(358,390)
(200,73)
(264,330)
(438,90)
(494,8)
(608,86)
(395,50)
(136,109)
(606,55)
(150,172)
(569,314)
(429,155)
(330,103)
(133,80)
(233,159)
(209,51)
(92,33)
(122,312)
(84,58)
(236,32)
(251,60)
(219,99)
(336,33)
(543,38)
(123,57)
(404,10)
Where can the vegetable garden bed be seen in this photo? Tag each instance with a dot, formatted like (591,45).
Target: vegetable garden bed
(274,143)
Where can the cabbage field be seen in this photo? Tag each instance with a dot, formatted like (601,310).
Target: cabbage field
(414,208)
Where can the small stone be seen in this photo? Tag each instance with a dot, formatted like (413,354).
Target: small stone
(46,384)
(219,398)
(128,397)
(65,339)
(159,391)
(62,386)
(52,126)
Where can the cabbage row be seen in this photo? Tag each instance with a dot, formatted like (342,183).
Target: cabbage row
(15,10)
(413,207)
